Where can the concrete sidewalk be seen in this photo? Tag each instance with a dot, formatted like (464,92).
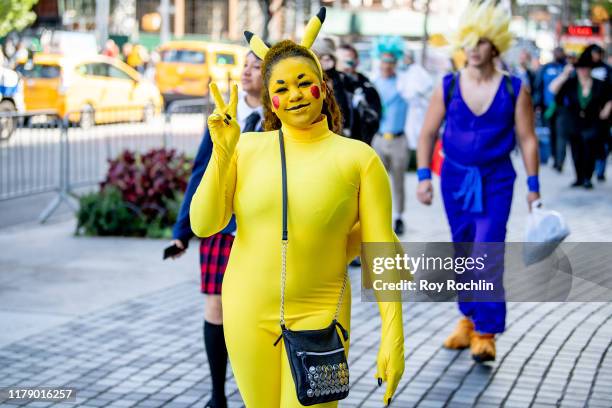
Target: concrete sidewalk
(108,317)
(48,276)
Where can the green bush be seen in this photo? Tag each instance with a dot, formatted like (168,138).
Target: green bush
(140,197)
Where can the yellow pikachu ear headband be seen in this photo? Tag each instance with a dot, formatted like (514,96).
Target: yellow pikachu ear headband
(310,34)
(484,20)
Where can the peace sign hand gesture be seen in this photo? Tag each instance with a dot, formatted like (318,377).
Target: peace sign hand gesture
(224,129)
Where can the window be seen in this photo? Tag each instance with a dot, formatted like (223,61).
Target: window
(30,70)
(81,69)
(225,59)
(97,69)
(115,72)
(185,56)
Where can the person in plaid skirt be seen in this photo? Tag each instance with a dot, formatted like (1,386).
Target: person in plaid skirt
(215,250)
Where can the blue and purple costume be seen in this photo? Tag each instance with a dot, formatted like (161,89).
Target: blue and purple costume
(477,181)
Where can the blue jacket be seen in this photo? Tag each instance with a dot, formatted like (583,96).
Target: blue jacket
(182,227)
(541,94)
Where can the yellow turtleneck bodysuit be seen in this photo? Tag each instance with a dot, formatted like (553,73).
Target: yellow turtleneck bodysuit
(333,183)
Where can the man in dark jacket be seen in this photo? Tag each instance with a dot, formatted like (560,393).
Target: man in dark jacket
(543,99)
(367,108)
(325,49)
(603,72)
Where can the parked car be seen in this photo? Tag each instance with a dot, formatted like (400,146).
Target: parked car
(90,90)
(11,101)
(186,68)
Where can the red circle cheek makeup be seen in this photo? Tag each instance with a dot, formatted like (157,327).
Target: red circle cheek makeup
(314,90)
(275,102)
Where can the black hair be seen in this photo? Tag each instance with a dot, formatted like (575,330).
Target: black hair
(349,47)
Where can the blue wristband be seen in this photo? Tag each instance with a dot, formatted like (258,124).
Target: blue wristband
(424,174)
(533,183)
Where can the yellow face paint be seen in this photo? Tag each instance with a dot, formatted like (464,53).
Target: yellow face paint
(296,91)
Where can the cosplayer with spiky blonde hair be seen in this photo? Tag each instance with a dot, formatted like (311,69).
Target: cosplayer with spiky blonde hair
(482,108)
(338,196)
(484,20)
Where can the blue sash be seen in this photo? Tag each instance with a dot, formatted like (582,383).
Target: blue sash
(470,191)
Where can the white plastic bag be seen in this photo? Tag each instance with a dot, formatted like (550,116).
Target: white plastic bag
(546,229)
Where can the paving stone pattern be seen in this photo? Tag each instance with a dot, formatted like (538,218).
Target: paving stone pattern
(148,352)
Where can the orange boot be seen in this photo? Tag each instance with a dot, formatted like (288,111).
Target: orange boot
(482,346)
(460,337)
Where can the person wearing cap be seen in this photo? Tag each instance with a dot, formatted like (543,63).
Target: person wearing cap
(544,101)
(584,105)
(390,143)
(325,49)
(481,107)
(215,249)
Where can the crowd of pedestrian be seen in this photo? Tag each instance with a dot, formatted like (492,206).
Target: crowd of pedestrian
(388,112)
(571,96)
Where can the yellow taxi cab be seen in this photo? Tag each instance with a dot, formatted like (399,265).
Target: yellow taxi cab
(90,90)
(227,63)
(186,67)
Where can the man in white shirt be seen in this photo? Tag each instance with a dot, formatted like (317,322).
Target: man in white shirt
(415,85)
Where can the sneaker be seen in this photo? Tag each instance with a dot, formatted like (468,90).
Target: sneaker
(355,262)
(461,336)
(588,185)
(601,178)
(482,347)
(399,226)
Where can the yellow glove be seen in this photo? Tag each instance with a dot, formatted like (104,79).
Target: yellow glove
(222,124)
(390,359)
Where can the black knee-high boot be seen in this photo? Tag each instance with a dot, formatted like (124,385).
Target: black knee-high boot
(216,352)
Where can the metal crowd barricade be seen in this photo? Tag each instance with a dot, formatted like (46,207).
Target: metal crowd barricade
(185,124)
(112,131)
(45,153)
(30,154)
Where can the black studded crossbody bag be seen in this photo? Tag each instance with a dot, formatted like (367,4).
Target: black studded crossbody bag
(316,357)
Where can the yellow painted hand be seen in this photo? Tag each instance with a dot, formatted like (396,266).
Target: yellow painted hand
(390,359)
(224,129)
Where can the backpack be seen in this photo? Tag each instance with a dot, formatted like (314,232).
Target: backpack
(368,109)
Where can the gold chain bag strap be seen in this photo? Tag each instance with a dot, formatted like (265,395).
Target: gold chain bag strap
(316,357)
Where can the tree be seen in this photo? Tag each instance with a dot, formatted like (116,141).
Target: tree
(16,15)
(425,38)
(269,8)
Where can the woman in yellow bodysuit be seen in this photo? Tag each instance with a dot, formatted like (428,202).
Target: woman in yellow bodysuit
(333,184)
